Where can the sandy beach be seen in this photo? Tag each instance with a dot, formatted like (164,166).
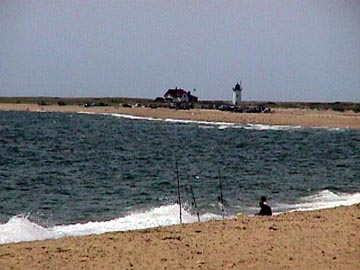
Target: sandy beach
(323,239)
(287,117)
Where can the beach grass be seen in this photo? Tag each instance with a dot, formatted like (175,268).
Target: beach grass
(118,101)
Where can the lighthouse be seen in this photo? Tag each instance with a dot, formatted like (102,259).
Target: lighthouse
(237,94)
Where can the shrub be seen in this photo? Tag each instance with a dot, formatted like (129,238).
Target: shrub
(356,109)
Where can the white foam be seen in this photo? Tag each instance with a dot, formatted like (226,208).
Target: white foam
(133,117)
(161,216)
(323,199)
(221,125)
(269,127)
(202,124)
(19,228)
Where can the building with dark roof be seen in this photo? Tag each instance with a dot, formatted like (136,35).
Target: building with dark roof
(179,95)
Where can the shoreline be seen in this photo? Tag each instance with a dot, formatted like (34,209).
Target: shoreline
(317,239)
(320,239)
(278,117)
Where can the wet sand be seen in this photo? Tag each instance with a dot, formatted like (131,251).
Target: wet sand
(287,117)
(324,239)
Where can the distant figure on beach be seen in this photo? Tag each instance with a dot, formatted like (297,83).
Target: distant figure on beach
(265,209)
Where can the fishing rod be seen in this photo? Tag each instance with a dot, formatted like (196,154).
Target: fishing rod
(193,196)
(178,187)
(221,194)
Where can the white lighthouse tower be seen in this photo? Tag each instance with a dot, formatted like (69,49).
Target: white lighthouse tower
(237,94)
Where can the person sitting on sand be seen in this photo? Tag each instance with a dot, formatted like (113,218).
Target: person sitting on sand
(265,209)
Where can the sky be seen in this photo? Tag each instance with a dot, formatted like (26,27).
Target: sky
(281,50)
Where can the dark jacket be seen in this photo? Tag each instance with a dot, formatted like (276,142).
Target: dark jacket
(265,210)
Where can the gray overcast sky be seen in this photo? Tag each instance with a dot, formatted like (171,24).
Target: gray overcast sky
(282,50)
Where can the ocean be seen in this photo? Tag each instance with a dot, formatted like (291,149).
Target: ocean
(71,174)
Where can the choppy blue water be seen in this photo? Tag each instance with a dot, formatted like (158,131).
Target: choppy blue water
(73,174)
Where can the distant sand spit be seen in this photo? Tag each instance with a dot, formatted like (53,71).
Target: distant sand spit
(323,239)
(286,117)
